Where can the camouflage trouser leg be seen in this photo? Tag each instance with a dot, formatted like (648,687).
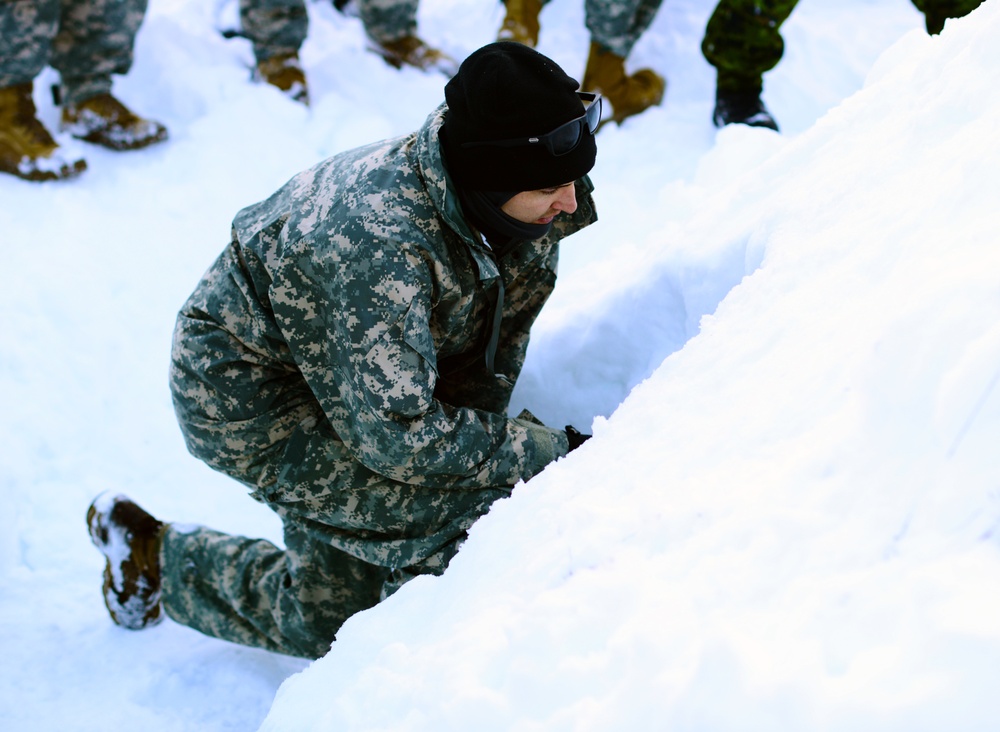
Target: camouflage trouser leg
(936,12)
(742,41)
(274,27)
(27,28)
(388,20)
(95,40)
(617,24)
(352,538)
(250,592)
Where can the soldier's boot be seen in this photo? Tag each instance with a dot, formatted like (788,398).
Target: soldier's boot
(627,95)
(745,108)
(521,22)
(413,51)
(27,149)
(129,538)
(285,72)
(105,121)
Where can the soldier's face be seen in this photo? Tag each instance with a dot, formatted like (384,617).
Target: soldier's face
(540,207)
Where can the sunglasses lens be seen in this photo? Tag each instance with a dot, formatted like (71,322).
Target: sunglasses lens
(594,114)
(566,138)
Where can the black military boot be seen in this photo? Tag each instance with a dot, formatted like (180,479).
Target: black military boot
(745,108)
(130,539)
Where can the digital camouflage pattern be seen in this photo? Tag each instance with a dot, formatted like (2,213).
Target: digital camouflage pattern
(274,27)
(333,360)
(86,41)
(388,20)
(742,39)
(617,25)
(277,27)
(248,591)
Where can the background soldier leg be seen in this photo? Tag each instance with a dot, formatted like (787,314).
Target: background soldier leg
(615,26)
(277,29)
(95,40)
(936,12)
(520,23)
(27,149)
(391,26)
(742,41)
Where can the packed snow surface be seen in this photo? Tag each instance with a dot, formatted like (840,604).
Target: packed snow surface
(787,347)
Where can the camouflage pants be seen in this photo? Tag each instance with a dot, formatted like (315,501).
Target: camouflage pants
(742,40)
(280,26)
(250,592)
(86,41)
(274,27)
(352,538)
(388,20)
(936,12)
(617,25)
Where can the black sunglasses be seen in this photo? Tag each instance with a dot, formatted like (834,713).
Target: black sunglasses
(564,138)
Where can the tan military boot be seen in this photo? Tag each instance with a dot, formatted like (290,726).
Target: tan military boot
(129,538)
(27,150)
(105,121)
(627,95)
(413,51)
(284,71)
(521,22)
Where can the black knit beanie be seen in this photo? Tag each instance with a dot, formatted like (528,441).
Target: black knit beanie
(507,90)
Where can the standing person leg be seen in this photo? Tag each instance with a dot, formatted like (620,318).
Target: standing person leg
(96,40)
(936,12)
(391,25)
(520,23)
(27,149)
(277,29)
(615,26)
(742,41)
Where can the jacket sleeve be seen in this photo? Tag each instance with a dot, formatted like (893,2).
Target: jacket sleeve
(359,329)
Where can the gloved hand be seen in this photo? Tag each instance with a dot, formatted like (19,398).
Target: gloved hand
(576,438)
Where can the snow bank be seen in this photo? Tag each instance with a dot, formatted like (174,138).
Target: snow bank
(793,523)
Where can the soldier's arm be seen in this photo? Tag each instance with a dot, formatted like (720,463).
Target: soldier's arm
(360,332)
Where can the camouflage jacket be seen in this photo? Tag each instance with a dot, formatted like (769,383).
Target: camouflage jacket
(358,296)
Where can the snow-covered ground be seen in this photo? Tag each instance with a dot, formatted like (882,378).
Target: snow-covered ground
(788,347)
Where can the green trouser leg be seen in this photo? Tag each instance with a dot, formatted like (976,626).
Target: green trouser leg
(742,42)
(250,592)
(95,40)
(274,27)
(936,12)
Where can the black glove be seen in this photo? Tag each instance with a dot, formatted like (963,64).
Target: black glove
(576,438)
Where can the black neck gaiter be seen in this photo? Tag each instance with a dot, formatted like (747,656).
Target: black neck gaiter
(499,229)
